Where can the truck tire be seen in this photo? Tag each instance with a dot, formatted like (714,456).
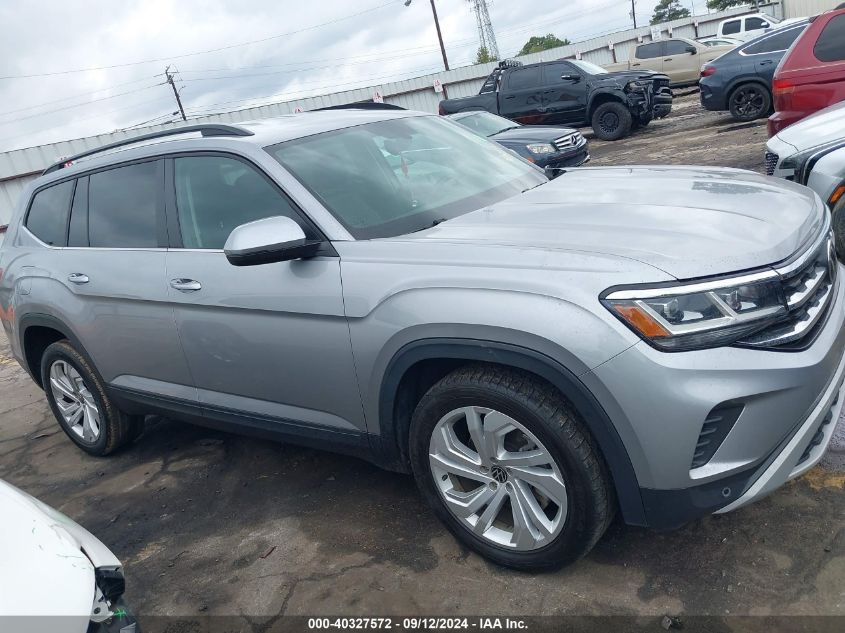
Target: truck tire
(82,407)
(509,467)
(611,121)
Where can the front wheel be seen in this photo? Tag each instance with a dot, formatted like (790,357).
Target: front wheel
(749,101)
(508,466)
(611,121)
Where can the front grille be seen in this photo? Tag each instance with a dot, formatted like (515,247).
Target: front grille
(771,163)
(568,142)
(808,285)
(818,437)
(715,429)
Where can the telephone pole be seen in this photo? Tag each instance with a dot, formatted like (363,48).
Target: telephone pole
(439,34)
(175,92)
(634,13)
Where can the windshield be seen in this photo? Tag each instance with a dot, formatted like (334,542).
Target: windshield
(394,177)
(484,123)
(588,67)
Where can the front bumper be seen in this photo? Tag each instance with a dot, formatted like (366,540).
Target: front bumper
(567,159)
(658,403)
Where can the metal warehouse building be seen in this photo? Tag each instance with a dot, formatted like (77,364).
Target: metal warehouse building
(19,167)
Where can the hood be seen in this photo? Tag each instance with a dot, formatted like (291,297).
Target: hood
(818,128)
(532,134)
(45,570)
(624,76)
(686,221)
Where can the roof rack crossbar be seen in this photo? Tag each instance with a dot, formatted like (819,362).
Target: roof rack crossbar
(206,129)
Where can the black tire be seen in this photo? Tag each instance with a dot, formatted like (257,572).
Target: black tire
(552,419)
(116,428)
(749,101)
(611,121)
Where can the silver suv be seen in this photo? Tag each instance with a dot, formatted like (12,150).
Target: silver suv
(663,342)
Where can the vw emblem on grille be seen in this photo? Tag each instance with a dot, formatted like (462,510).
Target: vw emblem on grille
(499,474)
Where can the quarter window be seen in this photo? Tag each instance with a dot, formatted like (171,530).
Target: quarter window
(649,51)
(123,205)
(731,27)
(830,46)
(48,213)
(215,194)
(780,41)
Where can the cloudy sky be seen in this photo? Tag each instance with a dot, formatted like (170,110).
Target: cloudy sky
(73,69)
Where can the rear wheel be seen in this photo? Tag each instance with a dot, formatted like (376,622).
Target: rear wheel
(611,121)
(80,404)
(749,101)
(509,468)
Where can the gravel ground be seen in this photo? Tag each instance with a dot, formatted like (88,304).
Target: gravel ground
(213,523)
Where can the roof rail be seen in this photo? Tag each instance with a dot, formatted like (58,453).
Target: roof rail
(207,129)
(362,105)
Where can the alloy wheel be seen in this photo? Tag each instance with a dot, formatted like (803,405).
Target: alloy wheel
(608,122)
(748,101)
(497,478)
(75,402)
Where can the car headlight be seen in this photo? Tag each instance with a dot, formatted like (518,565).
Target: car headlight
(702,314)
(541,148)
(635,86)
(801,164)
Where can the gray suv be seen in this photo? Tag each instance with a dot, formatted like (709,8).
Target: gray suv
(663,342)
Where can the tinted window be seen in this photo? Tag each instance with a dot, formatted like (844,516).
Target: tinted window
(122,206)
(553,71)
(649,51)
(676,47)
(48,213)
(215,194)
(731,27)
(779,41)
(752,24)
(78,229)
(521,78)
(830,46)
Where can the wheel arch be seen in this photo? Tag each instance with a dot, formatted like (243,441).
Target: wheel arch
(37,332)
(741,81)
(600,97)
(439,356)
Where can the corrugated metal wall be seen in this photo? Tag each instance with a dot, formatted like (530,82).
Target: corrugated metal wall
(417,94)
(802,8)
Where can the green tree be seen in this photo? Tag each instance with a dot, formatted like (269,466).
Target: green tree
(483,56)
(721,5)
(667,10)
(542,43)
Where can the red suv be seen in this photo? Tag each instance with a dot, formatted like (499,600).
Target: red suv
(811,75)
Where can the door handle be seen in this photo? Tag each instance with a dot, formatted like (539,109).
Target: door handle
(78,278)
(185,285)
(510,97)
(668,59)
(766,62)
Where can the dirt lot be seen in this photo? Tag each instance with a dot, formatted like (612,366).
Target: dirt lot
(211,523)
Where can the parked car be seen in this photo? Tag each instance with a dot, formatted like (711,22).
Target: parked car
(539,354)
(570,92)
(812,152)
(679,58)
(811,76)
(56,576)
(747,27)
(545,146)
(740,81)
(715,40)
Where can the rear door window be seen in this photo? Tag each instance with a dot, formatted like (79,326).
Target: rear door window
(124,206)
(48,213)
(649,51)
(779,41)
(676,47)
(830,46)
(524,78)
(733,26)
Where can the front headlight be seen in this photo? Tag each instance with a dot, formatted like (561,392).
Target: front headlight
(801,164)
(541,148)
(636,86)
(702,314)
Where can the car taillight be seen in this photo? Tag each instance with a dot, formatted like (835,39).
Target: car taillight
(706,71)
(782,86)
(782,90)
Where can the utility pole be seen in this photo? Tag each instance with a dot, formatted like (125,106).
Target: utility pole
(439,34)
(634,13)
(175,92)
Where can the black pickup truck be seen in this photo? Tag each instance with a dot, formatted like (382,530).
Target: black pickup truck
(571,92)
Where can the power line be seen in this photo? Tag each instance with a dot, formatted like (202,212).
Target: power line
(204,52)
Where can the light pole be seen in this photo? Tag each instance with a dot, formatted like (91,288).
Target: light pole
(439,35)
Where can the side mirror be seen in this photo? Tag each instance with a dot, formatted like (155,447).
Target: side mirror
(692,50)
(764,25)
(275,239)
(567,77)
